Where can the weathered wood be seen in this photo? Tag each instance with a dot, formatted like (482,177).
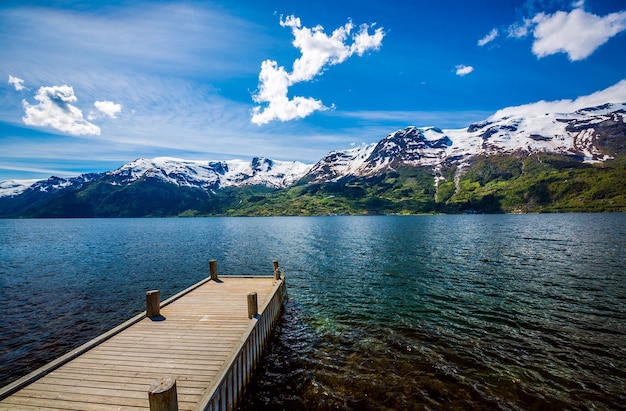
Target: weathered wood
(276,270)
(153,303)
(213,269)
(253,306)
(162,395)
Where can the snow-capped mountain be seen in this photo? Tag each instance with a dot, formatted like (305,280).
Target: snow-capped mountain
(51,184)
(410,146)
(582,133)
(212,175)
(585,133)
(207,175)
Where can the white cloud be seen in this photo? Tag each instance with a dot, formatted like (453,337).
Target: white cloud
(318,51)
(577,33)
(274,85)
(55,110)
(463,70)
(140,36)
(520,30)
(109,108)
(491,36)
(18,83)
(363,41)
(614,94)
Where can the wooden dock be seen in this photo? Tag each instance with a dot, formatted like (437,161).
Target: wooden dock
(194,351)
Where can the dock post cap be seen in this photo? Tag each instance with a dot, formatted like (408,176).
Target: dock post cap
(153,303)
(162,395)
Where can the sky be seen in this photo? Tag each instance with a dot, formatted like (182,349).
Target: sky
(90,86)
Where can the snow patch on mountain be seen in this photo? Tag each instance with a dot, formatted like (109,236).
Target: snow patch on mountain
(341,162)
(564,133)
(615,94)
(212,175)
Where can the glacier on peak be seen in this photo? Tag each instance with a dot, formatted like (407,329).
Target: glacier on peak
(612,95)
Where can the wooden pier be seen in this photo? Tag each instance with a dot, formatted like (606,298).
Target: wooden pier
(194,351)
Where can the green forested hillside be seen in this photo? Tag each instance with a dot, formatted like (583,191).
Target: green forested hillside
(495,184)
(537,183)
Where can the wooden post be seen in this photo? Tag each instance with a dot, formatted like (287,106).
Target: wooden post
(162,395)
(253,307)
(153,303)
(276,271)
(213,269)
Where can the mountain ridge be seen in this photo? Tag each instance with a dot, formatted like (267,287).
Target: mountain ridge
(591,135)
(560,133)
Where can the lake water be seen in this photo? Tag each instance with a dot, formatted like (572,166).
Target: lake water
(424,312)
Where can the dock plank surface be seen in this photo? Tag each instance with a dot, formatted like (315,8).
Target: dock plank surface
(193,340)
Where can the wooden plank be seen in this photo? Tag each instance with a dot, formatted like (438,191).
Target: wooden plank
(70,405)
(97,394)
(59,384)
(201,334)
(115,379)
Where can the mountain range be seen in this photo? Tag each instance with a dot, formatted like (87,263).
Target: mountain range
(524,161)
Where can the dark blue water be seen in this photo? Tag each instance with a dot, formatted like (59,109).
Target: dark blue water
(428,312)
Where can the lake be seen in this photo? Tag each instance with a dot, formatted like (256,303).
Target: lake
(386,312)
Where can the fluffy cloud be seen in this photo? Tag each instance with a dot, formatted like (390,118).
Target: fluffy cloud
(491,36)
(274,85)
(55,110)
(109,108)
(577,33)
(318,51)
(18,83)
(463,70)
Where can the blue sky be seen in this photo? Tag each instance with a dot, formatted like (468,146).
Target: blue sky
(90,86)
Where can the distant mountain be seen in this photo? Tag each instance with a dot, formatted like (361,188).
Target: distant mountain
(206,175)
(211,175)
(158,186)
(495,165)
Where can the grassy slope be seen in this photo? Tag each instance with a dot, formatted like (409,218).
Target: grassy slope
(541,183)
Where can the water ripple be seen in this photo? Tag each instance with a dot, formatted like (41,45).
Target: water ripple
(413,313)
